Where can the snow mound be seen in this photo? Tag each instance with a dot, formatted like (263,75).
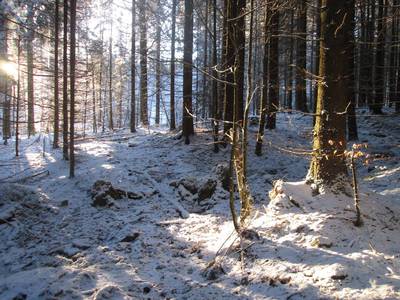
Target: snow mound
(320,245)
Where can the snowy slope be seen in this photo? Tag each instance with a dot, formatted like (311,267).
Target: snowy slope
(56,245)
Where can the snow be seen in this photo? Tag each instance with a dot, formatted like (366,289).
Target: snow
(55,245)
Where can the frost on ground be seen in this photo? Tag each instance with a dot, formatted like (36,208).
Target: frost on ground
(164,217)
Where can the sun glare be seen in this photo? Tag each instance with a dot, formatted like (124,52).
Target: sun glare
(9,68)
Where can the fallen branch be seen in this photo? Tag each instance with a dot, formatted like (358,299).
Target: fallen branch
(45,172)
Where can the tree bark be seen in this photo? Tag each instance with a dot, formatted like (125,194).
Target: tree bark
(29,49)
(229,55)
(351,117)
(187,120)
(133,70)
(377,101)
(110,82)
(65,80)
(56,98)
(301,61)
(273,65)
(72,89)
(328,163)
(172,86)
(215,97)
(143,64)
(158,66)
(264,93)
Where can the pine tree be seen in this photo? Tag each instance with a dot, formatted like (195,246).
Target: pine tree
(328,163)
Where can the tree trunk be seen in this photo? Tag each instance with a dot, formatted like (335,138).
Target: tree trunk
(187,120)
(377,102)
(328,163)
(215,97)
(94,119)
(273,65)
(264,93)
(301,54)
(56,99)
(318,33)
(240,45)
(4,87)
(133,70)
(394,52)
(291,55)
(172,87)
(65,80)
(18,96)
(351,117)
(110,87)
(229,55)
(205,63)
(72,89)
(158,66)
(143,64)
(29,49)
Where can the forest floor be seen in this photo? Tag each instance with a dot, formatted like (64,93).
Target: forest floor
(54,244)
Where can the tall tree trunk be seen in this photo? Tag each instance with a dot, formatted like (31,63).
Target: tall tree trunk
(273,65)
(351,117)
(301,54)
(4,87)
(394,53)
(291,55)
(223,66)
(65,80)
(187,120)
(29,49)
(229,55)
(264,93)
(18,96)
(362,54)
(240,44)
(101,103)
(56,99)
(318,34)
(133,70)
(371,62)
(205,62)
(172,87)
(377,103)
(328,163)
(72,90)
(94,119)
(158,65)
(215,98)
(143,64)
(110,87)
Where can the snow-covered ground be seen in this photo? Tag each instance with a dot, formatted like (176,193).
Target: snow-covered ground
(55,245)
